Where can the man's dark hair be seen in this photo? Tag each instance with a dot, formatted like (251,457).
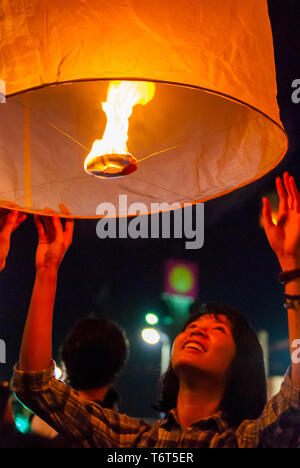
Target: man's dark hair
(93,352)
(246,391)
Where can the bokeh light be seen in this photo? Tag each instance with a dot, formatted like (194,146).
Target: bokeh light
(150,336)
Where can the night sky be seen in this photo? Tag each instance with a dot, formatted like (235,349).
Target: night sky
(123,279)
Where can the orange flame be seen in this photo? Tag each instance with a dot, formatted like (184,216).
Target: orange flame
(121,97)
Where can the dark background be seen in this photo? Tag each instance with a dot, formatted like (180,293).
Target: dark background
(123,279)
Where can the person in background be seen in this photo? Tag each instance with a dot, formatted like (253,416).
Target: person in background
(92,354)
(216,356)
(6,416)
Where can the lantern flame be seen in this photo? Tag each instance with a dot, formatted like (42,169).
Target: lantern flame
(109,156)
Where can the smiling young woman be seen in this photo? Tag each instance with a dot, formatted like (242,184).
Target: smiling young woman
(231,365)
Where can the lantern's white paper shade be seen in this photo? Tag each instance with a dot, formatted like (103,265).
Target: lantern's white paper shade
(215,101)
(2,92)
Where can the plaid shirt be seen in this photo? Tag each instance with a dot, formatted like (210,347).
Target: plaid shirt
(87,424)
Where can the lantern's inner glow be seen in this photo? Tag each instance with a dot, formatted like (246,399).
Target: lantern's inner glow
(109,156)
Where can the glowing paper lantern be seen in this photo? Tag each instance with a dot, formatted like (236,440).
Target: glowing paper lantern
(211,126)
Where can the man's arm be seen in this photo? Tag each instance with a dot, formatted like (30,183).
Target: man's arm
(54,241)
(9,222)
(284,239)
(83,421)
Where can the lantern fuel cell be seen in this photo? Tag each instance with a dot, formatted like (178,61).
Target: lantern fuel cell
(207,124)
(109,156)
(2,92)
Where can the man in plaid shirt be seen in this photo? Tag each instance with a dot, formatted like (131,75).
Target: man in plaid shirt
(214,391)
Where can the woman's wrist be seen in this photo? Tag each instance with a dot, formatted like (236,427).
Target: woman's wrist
(50,271)
(289,262)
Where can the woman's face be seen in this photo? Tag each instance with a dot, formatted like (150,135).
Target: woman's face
(207,346)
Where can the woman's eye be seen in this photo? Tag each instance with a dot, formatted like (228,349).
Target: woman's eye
(220,329)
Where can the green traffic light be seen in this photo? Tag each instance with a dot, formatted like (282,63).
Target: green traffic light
(181,279)
(151,318)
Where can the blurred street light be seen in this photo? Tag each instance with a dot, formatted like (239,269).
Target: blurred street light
(150,336)
(153,336)
(151,318)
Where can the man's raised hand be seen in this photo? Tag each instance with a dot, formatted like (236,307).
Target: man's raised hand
(54,241)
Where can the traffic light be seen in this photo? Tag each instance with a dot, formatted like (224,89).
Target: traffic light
(181,279)
(180,287)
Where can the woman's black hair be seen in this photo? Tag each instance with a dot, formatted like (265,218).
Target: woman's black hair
(246,391)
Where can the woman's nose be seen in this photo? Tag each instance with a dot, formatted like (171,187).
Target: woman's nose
(199,331)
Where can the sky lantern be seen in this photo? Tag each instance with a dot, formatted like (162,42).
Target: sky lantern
(162,101)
